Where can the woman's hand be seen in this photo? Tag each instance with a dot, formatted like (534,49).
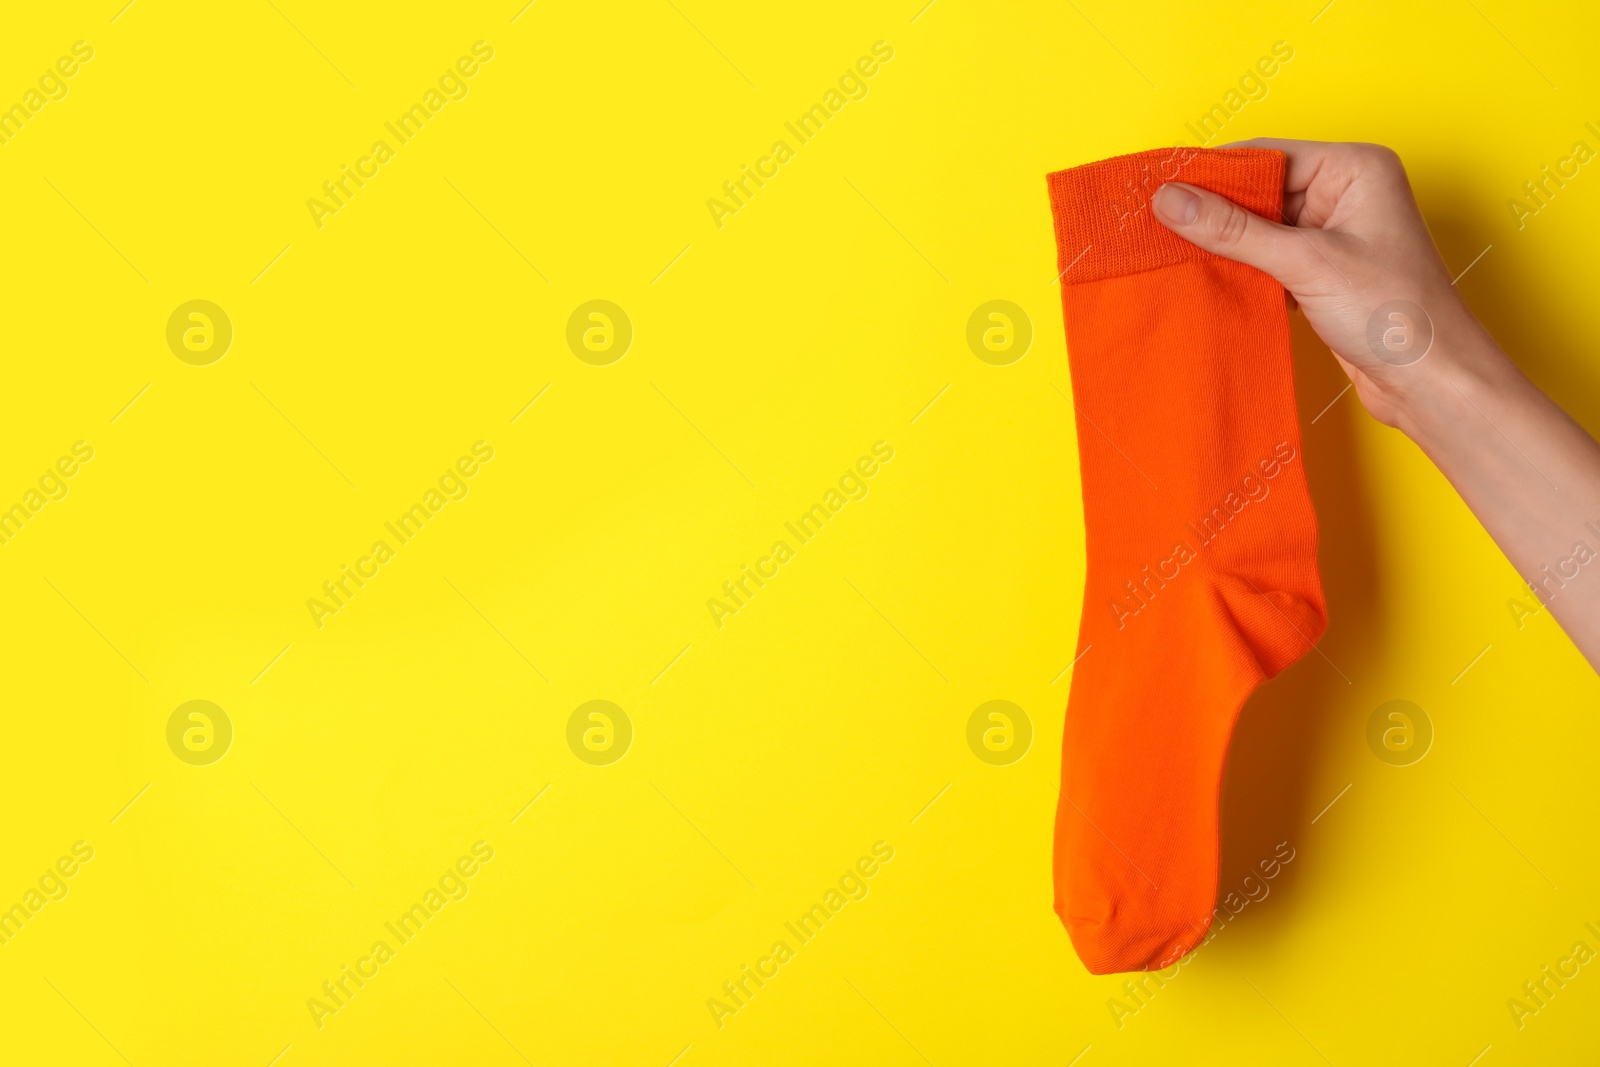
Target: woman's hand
(1354,254)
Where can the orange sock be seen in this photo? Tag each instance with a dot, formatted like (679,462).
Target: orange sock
(1202,544)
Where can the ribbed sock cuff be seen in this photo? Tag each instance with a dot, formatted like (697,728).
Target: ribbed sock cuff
(1106,227)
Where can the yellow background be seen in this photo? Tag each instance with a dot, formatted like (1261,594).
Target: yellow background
(828,713)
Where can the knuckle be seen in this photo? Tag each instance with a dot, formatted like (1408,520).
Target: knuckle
(1229,225)
(1383,158)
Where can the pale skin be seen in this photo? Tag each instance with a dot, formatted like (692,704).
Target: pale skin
(1354,241)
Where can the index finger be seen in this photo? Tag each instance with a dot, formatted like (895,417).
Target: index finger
(1304,158)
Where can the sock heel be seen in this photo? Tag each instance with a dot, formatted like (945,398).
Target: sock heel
(1279,625)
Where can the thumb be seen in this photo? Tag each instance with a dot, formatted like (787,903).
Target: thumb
(1219,225)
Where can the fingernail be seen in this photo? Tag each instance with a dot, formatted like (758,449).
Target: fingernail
(1176,205)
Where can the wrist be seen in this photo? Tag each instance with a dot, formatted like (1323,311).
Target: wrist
(1463,368)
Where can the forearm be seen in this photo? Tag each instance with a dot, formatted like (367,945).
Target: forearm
(1528,471)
